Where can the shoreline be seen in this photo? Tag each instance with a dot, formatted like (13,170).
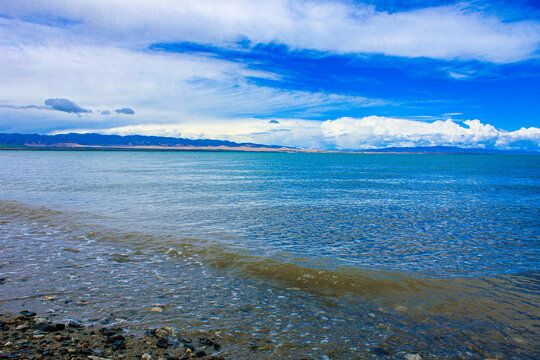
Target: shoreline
(221,149)
(28,336)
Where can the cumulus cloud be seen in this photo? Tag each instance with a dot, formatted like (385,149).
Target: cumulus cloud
(126,111)
(65,105)
(375,131)
(443,32)
(348,133)
(105,112)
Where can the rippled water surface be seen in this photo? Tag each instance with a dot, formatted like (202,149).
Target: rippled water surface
(337,254)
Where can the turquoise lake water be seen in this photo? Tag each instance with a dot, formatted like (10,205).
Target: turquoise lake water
(438,254)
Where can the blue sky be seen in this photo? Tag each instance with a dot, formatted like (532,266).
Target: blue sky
(322,74)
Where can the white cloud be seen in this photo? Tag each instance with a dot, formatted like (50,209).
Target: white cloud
(157,86)
(346,133)
(95,53)
(445,32)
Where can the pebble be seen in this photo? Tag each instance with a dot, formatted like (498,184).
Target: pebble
(156,309)
(413,357)
(162,343)
(49,298)
(74,324)
(146,356)
(400,308)
(91,357)
(170,330)
(161,333)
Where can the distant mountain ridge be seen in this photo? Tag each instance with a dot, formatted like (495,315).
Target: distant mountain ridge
(92,139)
(99,141)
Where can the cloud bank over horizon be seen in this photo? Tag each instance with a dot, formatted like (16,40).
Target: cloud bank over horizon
(370,132)
(274,72)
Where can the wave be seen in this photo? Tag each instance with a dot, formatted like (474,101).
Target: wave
(508,298)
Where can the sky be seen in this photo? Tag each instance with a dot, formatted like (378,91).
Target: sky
(302,73)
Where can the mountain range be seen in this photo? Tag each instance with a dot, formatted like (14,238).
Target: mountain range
(141,142)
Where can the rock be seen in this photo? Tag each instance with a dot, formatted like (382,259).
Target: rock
(49,298)
(114,338)
(146,356)
(91,357)
(208,342)
(108,332)
(160,333)
(163,343)
(118,345)
(413,357)
(400,308)
(74,324)
(200,353)
(156,309)
(48,327)
(325,357)
(27,313)
(382,349)
(170,330)
(22,327)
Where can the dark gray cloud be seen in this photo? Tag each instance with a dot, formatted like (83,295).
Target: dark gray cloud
(105,112)
(273,122)
(65,105)
(126,111)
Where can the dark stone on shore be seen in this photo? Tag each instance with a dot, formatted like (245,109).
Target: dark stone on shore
(114,338)
(381,350)
(208,342)
(185,341)
(163,343)
(74,324)
(200,353)
(118,345)
(27,313)
(108,332)
(49,327)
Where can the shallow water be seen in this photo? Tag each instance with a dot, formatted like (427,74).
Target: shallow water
(337,254)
